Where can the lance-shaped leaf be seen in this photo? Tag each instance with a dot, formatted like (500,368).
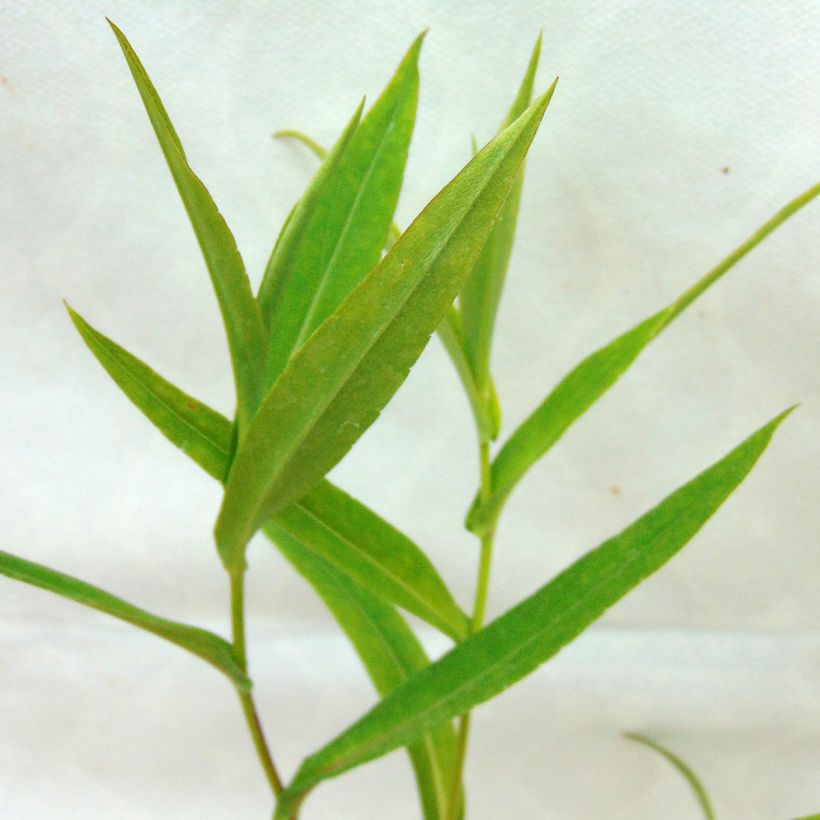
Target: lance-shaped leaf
(355,540)
(487,416)
(481,294)
(584,385)
(195,428)
(200,642)
(340,226)
(338,382)
(240,313)
(536,629)
(391,654)
(371,552)
(691,778)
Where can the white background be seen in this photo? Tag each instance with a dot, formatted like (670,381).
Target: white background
(675,131)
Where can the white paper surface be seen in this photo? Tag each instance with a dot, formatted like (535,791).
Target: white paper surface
(676,130)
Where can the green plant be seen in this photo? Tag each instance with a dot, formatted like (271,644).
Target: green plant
(317,353)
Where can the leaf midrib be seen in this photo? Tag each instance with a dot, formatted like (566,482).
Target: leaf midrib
(374,563)
(486,671)
(171,409)
(325,278)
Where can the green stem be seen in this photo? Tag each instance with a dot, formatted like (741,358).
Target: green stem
(476,622)
(245,698)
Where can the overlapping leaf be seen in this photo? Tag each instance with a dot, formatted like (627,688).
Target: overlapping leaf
(480,297)
(584,385)
(390,653)
(240,313)
(206,645)
(340,379)
(340,225)
(356,541)
(374,554)
(534,630)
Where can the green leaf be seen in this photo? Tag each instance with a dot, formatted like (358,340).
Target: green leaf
(536,629)
(480,297)
(352,537)
(338,382)
(372,553)
(195,428)
(584,385)
(391,654)
(451,335)
(487,418)
(206,645)
(240,313)
(386,644)
(691,778)
(341,224)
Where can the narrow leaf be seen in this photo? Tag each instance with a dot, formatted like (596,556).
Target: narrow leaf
(480,297)
(451,335)
(584,385)
(488,420)
(240,313)
(371,552)
(340,227)
(536,629)
(391,654)
(338,382)
(319,151)
(327,520)
(200,642)
(691,778)
(195,428)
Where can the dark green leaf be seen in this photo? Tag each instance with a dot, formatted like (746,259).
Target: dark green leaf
(390,653)
(337,384)
(584,385)
(206,645)
(341,224)
(240,313)
(480,297)
(352,537)
(536,629)
(691,778)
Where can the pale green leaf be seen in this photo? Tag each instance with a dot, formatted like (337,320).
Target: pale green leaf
(341,224)
(584,385)
(338,382)
(359,543)
(480,297)
(319,151)
(536,629)
(691,778)
(195,428)
(451,335)
(371,552)
(240,313)
(391,654)
(206,645)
